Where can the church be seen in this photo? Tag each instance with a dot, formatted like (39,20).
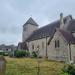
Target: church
(55,41)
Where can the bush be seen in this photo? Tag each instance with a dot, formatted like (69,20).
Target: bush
(1,53)
(65,74)
(5,54)
(21,53)
(68,70)
(27,53)
(34,54)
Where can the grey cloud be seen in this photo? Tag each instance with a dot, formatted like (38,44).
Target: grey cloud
(14,13)
(9,18)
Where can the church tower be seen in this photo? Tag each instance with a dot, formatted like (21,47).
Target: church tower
(28,28)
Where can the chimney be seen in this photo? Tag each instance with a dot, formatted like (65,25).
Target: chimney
(67,21)
(61,21)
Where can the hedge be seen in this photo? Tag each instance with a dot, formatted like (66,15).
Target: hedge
(21,53)
(2,53)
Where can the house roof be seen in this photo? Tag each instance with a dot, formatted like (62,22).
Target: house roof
(31,21)
(49,30)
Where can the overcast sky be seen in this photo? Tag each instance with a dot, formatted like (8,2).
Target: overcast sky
(14,13)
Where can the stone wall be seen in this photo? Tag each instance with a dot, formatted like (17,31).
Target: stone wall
(73,52)
(43,46)
(28,31)
(60,53)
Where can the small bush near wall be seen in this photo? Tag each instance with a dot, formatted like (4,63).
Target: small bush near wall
(34,54)
(21,53)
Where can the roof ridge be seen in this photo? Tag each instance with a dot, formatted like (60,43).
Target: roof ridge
(47,25)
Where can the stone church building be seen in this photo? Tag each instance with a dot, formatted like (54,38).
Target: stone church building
(56,41)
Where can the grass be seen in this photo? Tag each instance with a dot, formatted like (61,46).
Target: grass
(29,66)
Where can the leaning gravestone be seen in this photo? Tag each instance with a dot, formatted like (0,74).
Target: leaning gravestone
(2,65)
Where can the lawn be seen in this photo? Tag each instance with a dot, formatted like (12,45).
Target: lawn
(29,66)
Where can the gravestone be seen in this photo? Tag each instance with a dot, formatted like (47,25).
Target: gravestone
(2,65)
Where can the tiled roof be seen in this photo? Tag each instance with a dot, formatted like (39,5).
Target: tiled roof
(68,36)
(31,21)
(45,31)
(49,29)
(71,26)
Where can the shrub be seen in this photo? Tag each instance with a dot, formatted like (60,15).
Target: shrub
(21,53)
(27,53)
(68,69)
(1,53)
(5,54)
(34,54)
(65,74)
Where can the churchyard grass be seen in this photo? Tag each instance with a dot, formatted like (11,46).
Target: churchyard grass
(29,66)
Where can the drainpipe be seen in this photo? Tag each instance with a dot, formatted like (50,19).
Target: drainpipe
(28,46)
(46,47)
(70,51)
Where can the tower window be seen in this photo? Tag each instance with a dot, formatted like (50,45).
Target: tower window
(57,43)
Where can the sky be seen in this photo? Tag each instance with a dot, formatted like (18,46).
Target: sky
(14,13)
